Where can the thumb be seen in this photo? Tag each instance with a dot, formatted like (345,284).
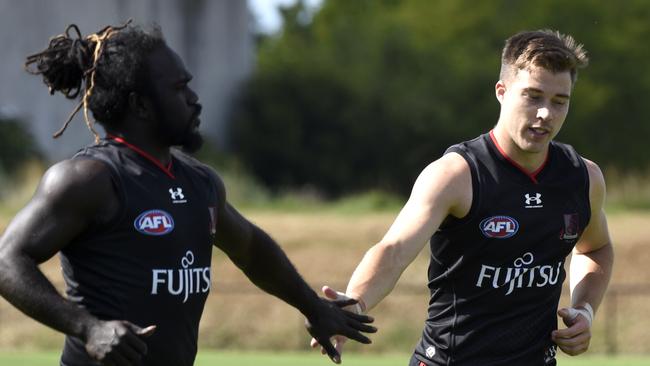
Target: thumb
(146,332)
(568,313)
(330,293)
(142,332)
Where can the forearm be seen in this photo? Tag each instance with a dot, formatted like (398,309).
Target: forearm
(270,269)
(375,276)
(25,287)
(590,275)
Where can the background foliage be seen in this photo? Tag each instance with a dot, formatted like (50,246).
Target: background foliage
(17,146)
(363,94)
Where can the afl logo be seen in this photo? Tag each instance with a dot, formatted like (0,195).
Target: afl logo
(154,222)
(499,227)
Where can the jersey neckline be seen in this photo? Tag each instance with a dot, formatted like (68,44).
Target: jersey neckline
(533,176)
(166,169)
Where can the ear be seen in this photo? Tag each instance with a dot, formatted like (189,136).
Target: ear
(500,90)
(140,106)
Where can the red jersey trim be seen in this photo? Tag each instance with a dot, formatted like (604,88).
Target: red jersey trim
(531,175)
(167,170)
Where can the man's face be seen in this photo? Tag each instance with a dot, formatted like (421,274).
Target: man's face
(176,107)
(534,104)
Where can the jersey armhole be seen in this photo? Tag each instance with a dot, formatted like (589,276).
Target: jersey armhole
(451,222)
(118,185)
(587,188)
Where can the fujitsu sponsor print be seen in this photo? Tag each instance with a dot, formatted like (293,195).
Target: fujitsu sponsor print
(183,281)
(523,273)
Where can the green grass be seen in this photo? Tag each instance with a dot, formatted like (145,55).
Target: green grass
(41,358)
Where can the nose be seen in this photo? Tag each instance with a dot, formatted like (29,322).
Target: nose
(544,113)
(192,97)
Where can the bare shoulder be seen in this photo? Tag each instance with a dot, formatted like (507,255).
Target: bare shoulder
(77,182)
(595,174)
(447,181)
(450,168)
(596,183)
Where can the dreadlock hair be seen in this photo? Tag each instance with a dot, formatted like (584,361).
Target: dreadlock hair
(106,66)
(551,50)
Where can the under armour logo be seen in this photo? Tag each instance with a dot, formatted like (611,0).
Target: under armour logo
(430,352)
(533,201)
(177,195)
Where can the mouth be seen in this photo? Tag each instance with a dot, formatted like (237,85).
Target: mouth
(539,131)
(196,122)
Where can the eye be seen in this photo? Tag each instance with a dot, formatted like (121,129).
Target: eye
(532,96)
(560,102)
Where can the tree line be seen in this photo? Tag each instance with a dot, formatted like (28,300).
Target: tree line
(364,94)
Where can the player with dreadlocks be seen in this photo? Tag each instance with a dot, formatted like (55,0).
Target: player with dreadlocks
(134,220)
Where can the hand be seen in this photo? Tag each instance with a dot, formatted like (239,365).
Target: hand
(338,340)
(117,343)
(573,340)
(333,320)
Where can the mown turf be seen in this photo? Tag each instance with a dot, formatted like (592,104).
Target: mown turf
(39,358)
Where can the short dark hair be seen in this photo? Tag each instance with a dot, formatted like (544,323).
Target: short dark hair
(107,66)
(545,48)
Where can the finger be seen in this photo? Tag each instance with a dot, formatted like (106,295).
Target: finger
(339,342)
(314,343)
(574,350)
(355,335)
(142,332)
(567,313)
(135,344)
(359,317)
(572,331)
(130,353)
(582,338)
(344,303)
(361,326)
(119,360)
(330,350)
(146,332)
(331,294)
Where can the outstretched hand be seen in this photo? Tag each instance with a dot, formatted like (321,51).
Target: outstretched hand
(117,342)
(337,340)
(332,320)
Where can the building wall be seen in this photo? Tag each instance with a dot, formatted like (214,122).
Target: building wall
(212,36)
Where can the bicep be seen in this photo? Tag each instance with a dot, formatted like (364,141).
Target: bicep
(234,232)
(65,202)
(40,231)
(442,189)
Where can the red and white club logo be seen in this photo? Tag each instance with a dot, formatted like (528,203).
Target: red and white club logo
(499,227)
(154,222)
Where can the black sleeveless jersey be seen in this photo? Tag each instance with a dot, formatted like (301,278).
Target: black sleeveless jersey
(151,265)
(496,275)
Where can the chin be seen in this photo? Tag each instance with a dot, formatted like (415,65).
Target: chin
(192,143)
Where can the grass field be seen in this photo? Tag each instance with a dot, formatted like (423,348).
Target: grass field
(305,359)
(325,244)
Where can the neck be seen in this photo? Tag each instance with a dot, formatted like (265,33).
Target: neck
(144,142)
(531,161)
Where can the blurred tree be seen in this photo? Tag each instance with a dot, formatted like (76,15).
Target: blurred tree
(16,145)
(363,94)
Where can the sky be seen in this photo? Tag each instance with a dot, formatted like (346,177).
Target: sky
(267,14)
